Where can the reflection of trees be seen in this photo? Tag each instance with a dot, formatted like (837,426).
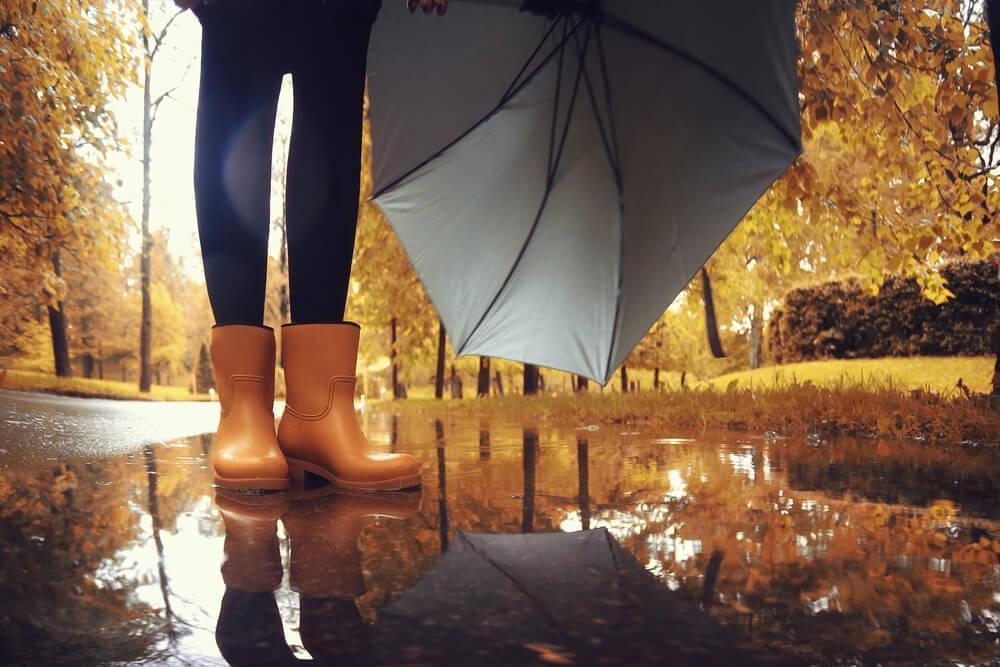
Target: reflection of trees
(583,474)
(154,513)
(59,602)
(842,573)
(831,572)
(529,465)
(900,472)
(72,535)
(442,485)
(182,480)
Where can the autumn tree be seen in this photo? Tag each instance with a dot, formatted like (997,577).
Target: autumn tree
(899,171)
(910,85)
(60,66)
(155,25)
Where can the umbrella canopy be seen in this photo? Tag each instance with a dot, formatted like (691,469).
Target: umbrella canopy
(558,170)
(549,598)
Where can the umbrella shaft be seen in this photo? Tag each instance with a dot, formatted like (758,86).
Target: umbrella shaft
(563,7)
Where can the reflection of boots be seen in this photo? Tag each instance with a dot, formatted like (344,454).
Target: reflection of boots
(249,629)
(324,530)
(326,570)
(253,562)
(319,432)
(246,453)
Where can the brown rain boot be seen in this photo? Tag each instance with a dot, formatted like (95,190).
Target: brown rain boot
(325,567)
(249,630)
(246,455)
(324,530)
(319,432)
(253,561)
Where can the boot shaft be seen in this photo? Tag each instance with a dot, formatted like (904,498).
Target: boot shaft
(313,355)
(243,355)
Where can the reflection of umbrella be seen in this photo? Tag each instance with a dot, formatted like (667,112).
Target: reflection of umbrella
(554,210)
(563,598)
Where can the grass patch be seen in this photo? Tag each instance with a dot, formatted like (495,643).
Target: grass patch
(869,408)
(82,387)
(937,374)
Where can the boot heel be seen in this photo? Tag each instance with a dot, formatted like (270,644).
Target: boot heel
(296,471)
(308,474)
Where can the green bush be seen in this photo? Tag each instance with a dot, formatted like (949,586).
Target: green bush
(839,320)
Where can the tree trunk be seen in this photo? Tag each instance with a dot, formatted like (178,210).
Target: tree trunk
(146,325)
(656,378)
(392,356)
(88,365)
(529,459)
(100,361)
(756,336)
(583,481)
(456,384)
(624,379)
(996,366)
(442,488)
(439,376)
(530,379)
(711,323)
(684,378)
(582,383)
(60,346)
(484,442)
(483,381)
(57,325)
(152,479)
(204,378)
(498,379)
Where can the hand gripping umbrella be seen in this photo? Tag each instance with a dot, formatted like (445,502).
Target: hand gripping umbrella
(558,170)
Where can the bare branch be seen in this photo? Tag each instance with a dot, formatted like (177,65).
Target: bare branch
(159,37)
(10,221)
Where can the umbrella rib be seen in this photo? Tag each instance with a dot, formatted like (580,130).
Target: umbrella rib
(634,31)
(608,539)
(522,589)
(510,94)
(569,119)
(615,169)
(549,182)
(555,114)
(612,126)
(534,53)
(621,200)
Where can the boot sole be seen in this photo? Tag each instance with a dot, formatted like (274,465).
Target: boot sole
(297,470)
(251,483)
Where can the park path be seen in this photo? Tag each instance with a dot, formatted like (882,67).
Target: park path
(33,424)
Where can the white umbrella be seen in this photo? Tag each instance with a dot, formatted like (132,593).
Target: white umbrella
(557,171)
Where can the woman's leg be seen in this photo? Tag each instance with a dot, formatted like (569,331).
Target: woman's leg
(324,164)
(237,102)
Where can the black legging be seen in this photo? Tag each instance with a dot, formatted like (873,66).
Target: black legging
(247,46)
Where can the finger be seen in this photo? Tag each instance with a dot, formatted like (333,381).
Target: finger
(427,6)
(442,7)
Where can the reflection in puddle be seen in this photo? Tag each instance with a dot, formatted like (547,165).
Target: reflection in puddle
(852,551)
